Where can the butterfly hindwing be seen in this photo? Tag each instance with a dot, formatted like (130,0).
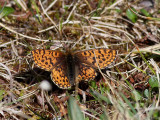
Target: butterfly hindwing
(59,76)
(86,72)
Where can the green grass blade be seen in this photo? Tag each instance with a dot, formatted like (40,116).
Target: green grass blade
(74,110)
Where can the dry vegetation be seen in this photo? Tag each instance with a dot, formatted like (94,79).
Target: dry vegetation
(127,89)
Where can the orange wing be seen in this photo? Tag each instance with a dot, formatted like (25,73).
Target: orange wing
(59,76)
(47,59)
(101,57)
(86,72)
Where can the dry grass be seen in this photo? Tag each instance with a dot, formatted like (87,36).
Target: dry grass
(128,89)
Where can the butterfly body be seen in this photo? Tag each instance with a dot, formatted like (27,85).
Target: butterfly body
(68,67)
(71,67)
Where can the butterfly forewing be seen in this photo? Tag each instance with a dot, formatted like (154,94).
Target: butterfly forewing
(101,57)
(47,59)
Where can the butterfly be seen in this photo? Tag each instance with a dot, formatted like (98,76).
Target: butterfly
(67,67)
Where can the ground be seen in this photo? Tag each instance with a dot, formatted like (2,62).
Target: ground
(126,87)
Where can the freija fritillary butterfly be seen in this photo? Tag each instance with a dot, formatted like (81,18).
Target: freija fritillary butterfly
(65,67)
